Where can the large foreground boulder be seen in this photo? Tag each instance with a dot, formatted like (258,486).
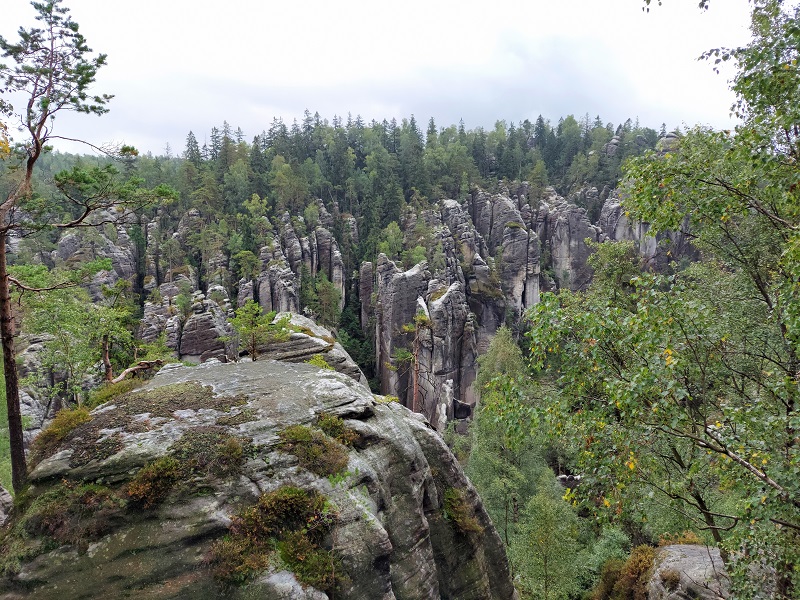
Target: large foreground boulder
(250,480)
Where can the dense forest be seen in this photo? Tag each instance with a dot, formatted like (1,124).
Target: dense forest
(665,393)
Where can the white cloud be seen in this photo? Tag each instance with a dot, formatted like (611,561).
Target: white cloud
(180,65)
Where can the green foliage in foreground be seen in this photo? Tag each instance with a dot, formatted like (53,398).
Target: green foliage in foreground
(553,553)
(684,386)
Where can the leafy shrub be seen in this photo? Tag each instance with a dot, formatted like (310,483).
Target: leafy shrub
(609,574)
(151,484)
(315,451)
(458,510)
(318,361)
(291,520)
(334,427)
(64,423)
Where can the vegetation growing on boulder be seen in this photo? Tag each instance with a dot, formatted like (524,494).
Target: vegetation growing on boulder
(316,451)
(67,513)
(209,451)
(83,433)
(626,580)
(334,427)
(153,482)
(291,520)
(318,361)
(64,423)
(201,452)
(459,512)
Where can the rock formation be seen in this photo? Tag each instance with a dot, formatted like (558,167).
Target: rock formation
(687,571)
(497,254)
(166,470)
(489,258)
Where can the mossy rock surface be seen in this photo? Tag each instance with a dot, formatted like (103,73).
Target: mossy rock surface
(176,466)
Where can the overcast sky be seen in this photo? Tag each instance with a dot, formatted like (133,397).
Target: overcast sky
(181,65)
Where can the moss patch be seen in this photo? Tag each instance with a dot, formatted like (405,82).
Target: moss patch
(316,451)
(153,482)
(210,451)
(334,427)
(459,512)
(294,522)
(81,431)
(202,452)
(243,416)
(65,514)
(100,450)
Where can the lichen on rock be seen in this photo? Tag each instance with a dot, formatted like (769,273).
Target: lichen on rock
(199,454)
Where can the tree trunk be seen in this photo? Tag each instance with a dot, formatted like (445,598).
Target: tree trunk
(107,359)
(19,469)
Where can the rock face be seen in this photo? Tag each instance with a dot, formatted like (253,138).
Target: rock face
(392,531)
(684,571)
(499,252)
(310,341)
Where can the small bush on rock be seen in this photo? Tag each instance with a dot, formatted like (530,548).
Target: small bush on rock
(458,510)
(293,521)
(318,361)
(334,427)
(633,577)
(151,485)
(48,441)
(671,579)
(315,451)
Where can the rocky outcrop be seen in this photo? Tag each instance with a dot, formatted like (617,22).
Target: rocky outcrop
(686,571)
(206,330)
(309,340)
(564,229)
(393,528)
(194,325)
(110,242)
(277,285)
(657,251)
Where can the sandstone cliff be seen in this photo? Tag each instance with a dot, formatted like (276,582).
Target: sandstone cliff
(153,495)
(490,256)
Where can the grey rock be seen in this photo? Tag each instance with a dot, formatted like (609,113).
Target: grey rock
(312,340)
(6,503)
(366,285)
(391,532)
(685,571)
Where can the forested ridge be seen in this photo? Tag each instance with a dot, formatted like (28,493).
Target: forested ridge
(372,171)
(662,385)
